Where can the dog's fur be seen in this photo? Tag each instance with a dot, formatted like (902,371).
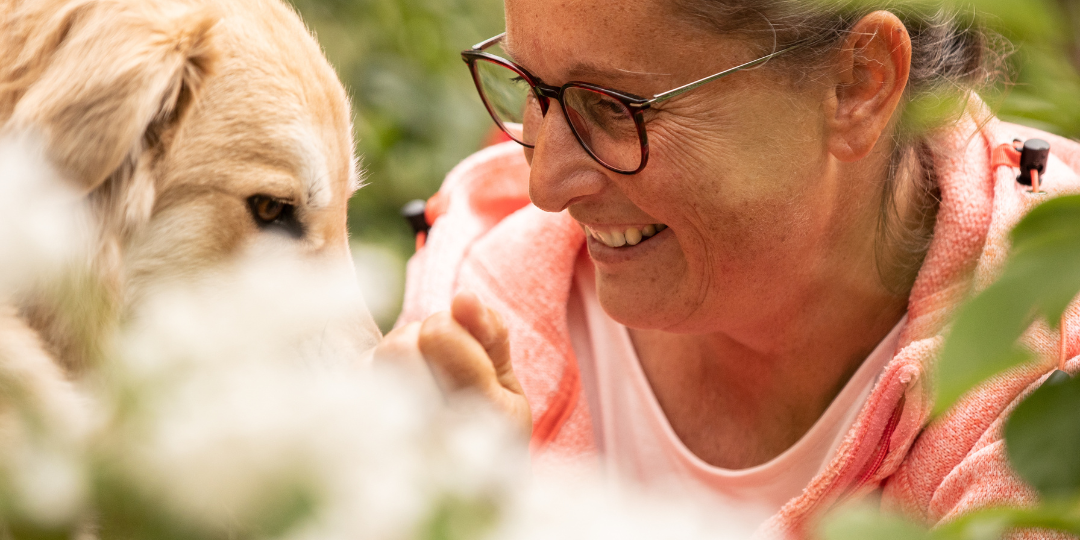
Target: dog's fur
(169,115)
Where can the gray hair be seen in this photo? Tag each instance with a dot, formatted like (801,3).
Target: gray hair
(953,54)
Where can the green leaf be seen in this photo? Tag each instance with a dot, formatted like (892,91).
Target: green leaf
(1040,279)
(862,521)
(1042,437)
(982,340)
(994,523)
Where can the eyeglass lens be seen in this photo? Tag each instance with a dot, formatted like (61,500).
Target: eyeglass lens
(507,96)
(605,127)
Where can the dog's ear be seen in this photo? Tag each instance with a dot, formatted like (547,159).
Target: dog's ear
(108,77)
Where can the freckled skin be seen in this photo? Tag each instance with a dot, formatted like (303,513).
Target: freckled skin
(756,308)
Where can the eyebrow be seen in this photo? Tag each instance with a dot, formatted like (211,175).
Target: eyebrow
(581,69)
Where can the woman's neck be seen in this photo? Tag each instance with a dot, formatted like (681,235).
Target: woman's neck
(736,407)
(740,396)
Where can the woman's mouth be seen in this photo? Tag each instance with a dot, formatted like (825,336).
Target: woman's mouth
(617,237)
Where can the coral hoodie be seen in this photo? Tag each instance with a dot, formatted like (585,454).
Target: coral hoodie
(489,239)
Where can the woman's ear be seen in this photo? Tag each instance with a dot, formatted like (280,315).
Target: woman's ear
(873,67)
(99,80)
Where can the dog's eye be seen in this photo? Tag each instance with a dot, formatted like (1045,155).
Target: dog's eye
(267,210)
(271,212)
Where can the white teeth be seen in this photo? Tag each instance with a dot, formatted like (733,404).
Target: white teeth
(617,239)
(631,236)
(605,238)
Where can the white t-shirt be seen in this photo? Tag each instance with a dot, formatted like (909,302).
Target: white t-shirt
(637,442)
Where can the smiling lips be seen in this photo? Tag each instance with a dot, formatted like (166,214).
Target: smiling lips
(619,237)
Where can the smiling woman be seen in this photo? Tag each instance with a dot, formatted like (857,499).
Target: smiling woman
(748,224)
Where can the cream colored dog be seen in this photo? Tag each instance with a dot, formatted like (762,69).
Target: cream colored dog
(197,131)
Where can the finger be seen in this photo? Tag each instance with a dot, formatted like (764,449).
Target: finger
(455,356)
(487,326)
(459,361)
(468,311)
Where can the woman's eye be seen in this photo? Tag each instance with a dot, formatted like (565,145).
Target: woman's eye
(607,106)
(277,213)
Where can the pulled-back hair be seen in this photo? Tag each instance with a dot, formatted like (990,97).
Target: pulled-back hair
(952,55)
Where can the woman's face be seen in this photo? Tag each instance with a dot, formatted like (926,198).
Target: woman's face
(738,170)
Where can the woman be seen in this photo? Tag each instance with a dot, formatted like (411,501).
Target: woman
(763,285)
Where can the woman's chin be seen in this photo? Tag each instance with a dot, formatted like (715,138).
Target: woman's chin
(641,307)
(656,305)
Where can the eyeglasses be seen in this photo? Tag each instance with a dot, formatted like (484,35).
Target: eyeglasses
(610,125)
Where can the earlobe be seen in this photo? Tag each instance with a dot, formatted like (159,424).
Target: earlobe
(872,74)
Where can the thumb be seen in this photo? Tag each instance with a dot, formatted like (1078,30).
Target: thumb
(489,329)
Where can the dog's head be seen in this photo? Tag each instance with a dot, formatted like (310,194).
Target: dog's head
(199,130)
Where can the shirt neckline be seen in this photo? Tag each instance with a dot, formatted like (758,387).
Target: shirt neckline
(870,368)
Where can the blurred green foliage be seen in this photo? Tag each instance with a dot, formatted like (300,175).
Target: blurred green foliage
(415,110)
(1043,437)
(1035,285)
(1045,35)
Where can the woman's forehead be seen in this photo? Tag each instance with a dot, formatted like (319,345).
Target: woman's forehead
(603,40)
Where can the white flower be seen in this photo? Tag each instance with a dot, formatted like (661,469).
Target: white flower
(49,482)
(589,508)
(230,410)
(42,215)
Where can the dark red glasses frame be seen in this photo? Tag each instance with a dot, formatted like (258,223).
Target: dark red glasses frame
(545,93)
(636,105)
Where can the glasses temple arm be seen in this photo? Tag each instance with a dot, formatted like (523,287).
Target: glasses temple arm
(487,42)
(687,87)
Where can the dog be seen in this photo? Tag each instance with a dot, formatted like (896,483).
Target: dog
(195,131)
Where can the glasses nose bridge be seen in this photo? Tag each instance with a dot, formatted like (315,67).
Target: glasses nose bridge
(547,93)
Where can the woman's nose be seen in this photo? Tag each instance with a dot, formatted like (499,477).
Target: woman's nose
(561,171)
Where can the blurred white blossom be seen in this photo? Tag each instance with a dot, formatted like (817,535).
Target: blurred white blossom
(43,232)
(228,429)
(237,405)
(42,214)
(380,271)
(228,420)
(590,508)
(47,481)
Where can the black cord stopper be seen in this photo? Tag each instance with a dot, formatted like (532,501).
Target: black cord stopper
(413,212)
(1033,157)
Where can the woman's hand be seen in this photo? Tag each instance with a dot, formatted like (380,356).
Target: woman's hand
(467,350)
